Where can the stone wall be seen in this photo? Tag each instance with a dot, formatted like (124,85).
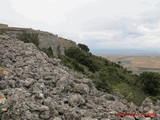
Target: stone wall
(3,26)
(46,39)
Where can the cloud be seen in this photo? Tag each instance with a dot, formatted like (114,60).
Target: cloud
(140,32)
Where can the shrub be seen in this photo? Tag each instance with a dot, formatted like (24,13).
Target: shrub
(71,63)
(150,82)
(29,38)
(48,51)
(82,58)
(103,83)
(83,47)
(73,52)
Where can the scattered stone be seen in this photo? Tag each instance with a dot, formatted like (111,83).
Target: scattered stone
(88,118)
(2,99)
(113,112)
(57,118)
(128,118)
(75,100)
(81,88)
(148,118)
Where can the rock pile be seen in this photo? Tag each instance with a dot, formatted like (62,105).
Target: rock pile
(35,87)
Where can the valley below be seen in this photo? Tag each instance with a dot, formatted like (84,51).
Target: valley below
(136,62)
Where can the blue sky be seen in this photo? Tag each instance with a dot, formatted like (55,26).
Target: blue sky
(101,24)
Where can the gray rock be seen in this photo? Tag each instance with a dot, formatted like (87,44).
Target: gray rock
(3,85)
(43,108)
(57,118)
(37,88)
(140,117)
(39,95)
(110,97)
(45,115)
(81,88)
(148,118)
(156,118)
(75,100)
(128,118)
(147,102)
(88,118)
(30,116)
(48,101)
(28,82)
(11,83)
(71,116)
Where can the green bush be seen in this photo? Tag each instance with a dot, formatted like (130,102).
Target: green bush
(72,64)
(150,82)
(48,51)
(102,83)
(83,47)
(29,37)
(82,57)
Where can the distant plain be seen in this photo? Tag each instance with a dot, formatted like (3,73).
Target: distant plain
(136,62)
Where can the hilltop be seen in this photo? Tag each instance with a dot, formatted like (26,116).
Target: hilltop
(46,39)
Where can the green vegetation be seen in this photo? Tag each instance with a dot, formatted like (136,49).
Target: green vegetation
(110,77)
(29,38)
(48,51)
(72,64)
(83,47)
(150,83)
(82,57)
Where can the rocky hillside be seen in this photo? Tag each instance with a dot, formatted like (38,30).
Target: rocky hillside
(35,87)
(46,39)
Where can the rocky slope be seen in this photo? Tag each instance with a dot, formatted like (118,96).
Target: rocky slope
(35,87)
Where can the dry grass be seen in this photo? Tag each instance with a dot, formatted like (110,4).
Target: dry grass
(146,62)
(66,43)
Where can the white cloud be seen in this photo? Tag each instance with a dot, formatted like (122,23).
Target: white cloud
(49,11)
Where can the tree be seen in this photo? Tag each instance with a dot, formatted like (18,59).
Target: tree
(83,47)
(150,82)
(73,52)
(82,58)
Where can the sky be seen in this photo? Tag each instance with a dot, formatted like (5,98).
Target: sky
(104,25)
